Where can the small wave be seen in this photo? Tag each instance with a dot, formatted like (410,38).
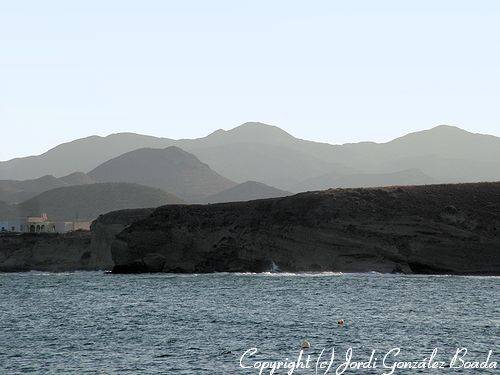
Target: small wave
(289,274)
(481,277)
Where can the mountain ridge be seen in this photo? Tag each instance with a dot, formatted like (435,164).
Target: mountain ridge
(16,191)
(170,169)
(270,155)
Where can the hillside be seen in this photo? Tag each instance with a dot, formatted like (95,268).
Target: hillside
(246,191)
(14,191)
(7,211)
(77,178)
(170,169)
(86,202)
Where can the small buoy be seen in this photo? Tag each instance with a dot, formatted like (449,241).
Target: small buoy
(305,344)
(341,322)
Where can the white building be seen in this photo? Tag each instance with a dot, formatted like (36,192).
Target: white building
(41,224)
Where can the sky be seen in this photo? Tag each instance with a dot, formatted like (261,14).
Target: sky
(332,71)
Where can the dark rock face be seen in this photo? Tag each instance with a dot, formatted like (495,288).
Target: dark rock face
(46,252)
(70,251)
(442,229)
(106,227)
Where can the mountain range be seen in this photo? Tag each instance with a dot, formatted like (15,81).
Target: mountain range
(253,160)
(446,144)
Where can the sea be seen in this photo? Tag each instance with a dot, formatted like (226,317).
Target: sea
(100,323)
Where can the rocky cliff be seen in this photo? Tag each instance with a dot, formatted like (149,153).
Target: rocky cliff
(45,252)
(106,227)
(67,252)
(443,229)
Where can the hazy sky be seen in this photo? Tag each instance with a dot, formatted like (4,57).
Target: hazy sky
(334,71)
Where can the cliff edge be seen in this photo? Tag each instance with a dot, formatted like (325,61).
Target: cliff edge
(441,229)
(69,251)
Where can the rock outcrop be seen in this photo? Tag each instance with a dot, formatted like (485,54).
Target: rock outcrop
(441,229)
(106,227)
(69,251)
(45,252)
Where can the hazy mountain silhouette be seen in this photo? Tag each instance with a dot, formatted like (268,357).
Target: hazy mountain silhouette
(415,150)
(249,132)
(444,141)
(77,178)
(357,180)
(442,154)
(256,151)
(273,165)
(7,211)
(170,169)
(89,201)
(246,191)
(79,155)
(14,191)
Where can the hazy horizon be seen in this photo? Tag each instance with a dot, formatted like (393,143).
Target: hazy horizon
(335,72)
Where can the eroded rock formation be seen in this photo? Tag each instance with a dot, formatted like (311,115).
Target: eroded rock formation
(450,229)
(69,251)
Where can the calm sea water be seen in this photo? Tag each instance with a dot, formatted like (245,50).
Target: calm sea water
(90,322)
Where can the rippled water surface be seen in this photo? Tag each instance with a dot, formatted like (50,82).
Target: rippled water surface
(201,324)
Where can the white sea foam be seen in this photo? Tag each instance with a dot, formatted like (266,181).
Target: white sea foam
(289,274)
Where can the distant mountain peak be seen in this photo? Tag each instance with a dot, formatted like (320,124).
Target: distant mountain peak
(171,169)
(250,132)
(440,133)
(129,135)
(447,129)
(260,126)
(255,124)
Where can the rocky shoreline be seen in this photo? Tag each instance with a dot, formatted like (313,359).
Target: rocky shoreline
(75,251)
(435,229)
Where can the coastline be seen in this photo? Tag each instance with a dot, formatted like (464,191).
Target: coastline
(428,230)
(434,229)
